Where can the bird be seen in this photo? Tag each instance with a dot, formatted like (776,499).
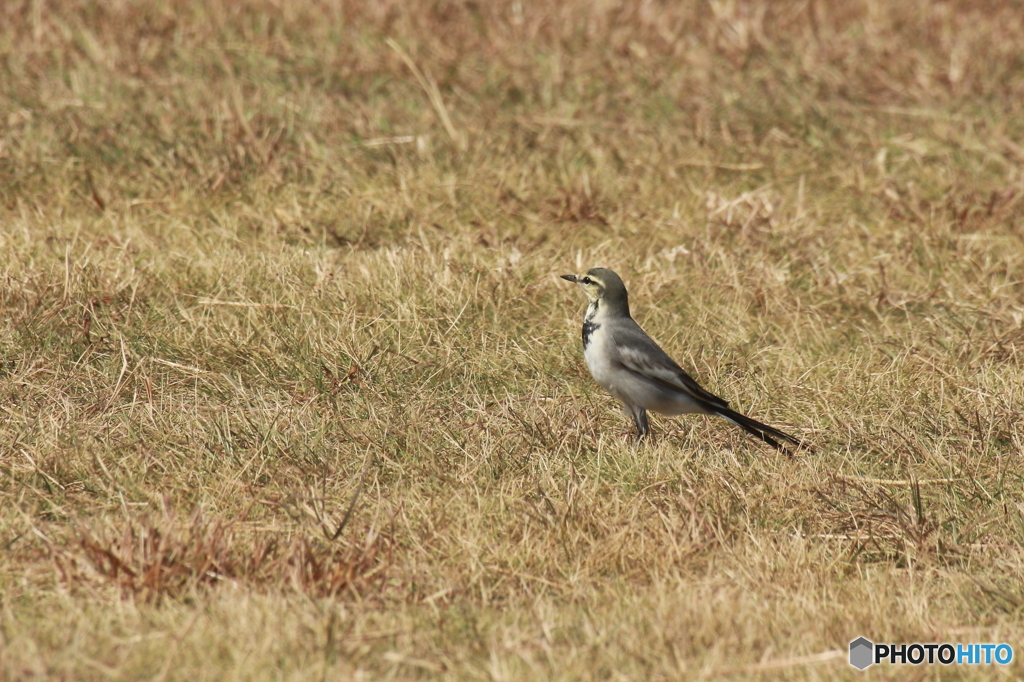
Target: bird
(627,363)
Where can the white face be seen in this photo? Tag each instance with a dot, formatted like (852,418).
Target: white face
(590,284)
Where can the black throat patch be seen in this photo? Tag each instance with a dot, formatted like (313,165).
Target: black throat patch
(589,326)
(588,330)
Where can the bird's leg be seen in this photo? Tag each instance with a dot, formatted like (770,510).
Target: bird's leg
(643,428)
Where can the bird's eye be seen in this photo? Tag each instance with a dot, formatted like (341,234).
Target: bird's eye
(587,280)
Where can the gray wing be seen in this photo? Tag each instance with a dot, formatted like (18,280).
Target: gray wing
(640,354)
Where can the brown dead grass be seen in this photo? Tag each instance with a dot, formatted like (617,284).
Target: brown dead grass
(289,388)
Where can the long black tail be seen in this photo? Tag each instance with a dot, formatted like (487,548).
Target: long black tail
(768,434)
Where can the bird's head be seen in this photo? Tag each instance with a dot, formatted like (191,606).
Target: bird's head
(603,287)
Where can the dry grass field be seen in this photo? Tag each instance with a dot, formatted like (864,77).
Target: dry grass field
(290,388)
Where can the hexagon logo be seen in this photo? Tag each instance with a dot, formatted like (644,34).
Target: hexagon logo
(862,653)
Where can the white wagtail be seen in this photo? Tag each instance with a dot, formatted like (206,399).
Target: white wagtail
(632,367)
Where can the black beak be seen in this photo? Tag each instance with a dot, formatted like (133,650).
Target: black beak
(571,278)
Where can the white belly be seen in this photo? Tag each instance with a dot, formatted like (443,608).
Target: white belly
(599,362)
(631,388)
